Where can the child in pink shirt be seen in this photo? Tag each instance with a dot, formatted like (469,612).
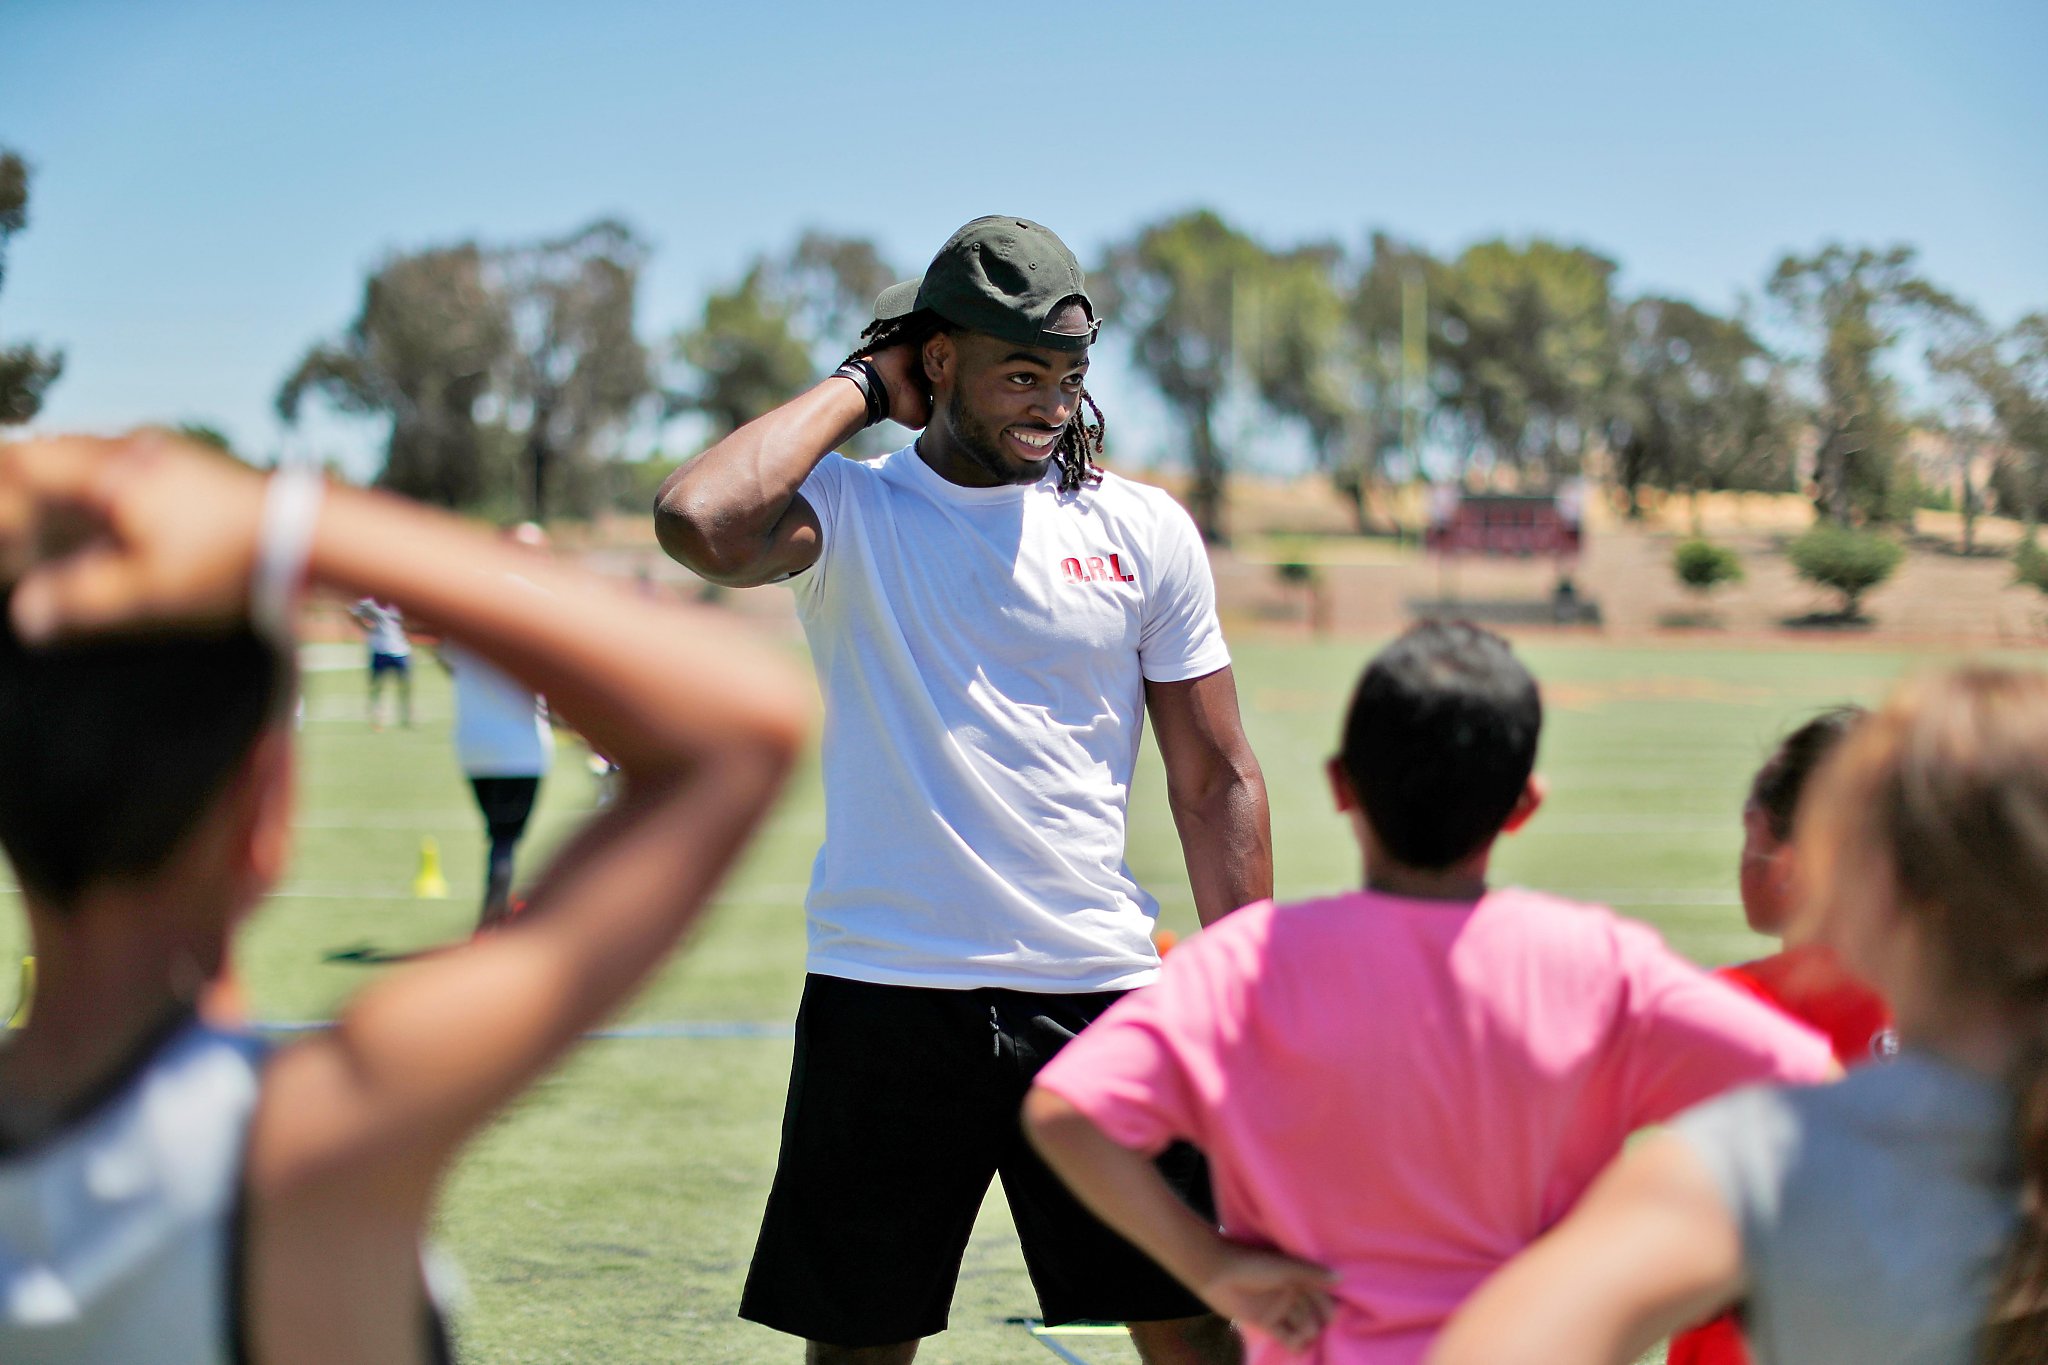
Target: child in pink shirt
(1401,1087)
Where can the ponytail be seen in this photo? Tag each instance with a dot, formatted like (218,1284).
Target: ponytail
(2017,1330)
(1944,794)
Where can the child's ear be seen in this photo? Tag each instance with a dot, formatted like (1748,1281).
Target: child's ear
(1526,804)
(1341,789)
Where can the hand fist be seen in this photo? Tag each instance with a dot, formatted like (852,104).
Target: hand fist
(902,370)
(109,534)
(1287,1299)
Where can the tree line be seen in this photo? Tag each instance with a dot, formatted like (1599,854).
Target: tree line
(509,375)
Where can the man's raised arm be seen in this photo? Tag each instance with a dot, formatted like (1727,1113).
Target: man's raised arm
(733,514)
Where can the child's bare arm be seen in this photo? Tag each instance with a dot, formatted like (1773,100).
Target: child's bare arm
(703,721)
(1286,1299)
(1650,1249)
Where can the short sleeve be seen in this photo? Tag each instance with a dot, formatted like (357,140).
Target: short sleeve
(824,488)
(1180,637)
(1746,1141)
(1140,1072)
(1689,1036)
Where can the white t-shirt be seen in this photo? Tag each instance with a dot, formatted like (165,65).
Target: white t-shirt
(983,654)
(386,627)
(501,729)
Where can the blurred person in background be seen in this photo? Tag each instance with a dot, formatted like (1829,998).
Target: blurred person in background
(1899,1217)
(505,745)
(176,1193)
(383,628)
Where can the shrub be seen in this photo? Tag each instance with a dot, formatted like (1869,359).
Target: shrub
(1703,566)
(2030,565)
(1850,562)
(1296,572)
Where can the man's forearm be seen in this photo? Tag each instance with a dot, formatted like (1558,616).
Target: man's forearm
(1226,836)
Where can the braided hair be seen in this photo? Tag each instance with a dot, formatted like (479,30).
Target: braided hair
(1078,450)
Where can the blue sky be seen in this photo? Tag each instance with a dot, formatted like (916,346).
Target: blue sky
(213,180)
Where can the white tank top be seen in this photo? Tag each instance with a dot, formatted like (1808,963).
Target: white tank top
(118,1232)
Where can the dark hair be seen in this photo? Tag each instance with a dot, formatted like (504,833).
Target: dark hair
(111,750)
(1440,741)
(1776,788)
(1078,451)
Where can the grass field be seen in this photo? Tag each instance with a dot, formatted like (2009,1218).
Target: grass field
(609,1216)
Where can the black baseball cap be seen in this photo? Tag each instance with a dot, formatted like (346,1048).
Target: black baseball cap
(1005,277)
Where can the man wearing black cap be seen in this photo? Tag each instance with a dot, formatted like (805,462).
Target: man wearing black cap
(992,618)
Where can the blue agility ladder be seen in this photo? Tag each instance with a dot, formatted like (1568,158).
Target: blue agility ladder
(1048,1336)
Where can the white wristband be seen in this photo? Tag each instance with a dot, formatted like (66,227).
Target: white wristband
(284,542)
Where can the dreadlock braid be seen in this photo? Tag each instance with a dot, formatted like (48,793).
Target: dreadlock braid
(1078,451)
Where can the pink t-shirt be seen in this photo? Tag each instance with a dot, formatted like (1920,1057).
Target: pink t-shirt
(1411,1091)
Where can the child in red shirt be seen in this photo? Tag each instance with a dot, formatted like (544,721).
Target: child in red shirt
(1805,982)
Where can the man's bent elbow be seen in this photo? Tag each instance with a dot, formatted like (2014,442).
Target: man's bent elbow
(686,529)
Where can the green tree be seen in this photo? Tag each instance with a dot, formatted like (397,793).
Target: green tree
(420,354)
(1849,561)
(25,372)
(1303,359)
(745,356)
(1180,288)
(1527,342)
(827,284)
(790,316)
(1703,566)
(1696,404)
(1854,306)
(1998,386)
(575,371)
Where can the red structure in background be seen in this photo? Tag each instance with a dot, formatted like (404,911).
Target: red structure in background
(1507,525)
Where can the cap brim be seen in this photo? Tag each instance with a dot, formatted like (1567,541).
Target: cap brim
(898,300)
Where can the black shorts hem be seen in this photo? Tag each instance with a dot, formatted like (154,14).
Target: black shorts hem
(830,1333)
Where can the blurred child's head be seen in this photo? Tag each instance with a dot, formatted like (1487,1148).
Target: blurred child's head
(113,752)
(1932,818)
(1924,848)
(1440,745)
(1767,816)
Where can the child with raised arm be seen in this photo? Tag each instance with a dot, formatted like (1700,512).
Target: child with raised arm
(1901,1217)
(1400,1087)
(182,1195)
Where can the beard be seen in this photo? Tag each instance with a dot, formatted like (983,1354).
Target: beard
(984,447)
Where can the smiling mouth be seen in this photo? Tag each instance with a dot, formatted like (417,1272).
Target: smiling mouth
(1034,439)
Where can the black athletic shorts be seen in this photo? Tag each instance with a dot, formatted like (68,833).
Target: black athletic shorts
(903,1103)
(506,802)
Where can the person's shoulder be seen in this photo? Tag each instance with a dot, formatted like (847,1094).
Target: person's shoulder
(1119,493)
(1546,915)
(1310,932)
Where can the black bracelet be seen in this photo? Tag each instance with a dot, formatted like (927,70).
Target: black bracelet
(868,380)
